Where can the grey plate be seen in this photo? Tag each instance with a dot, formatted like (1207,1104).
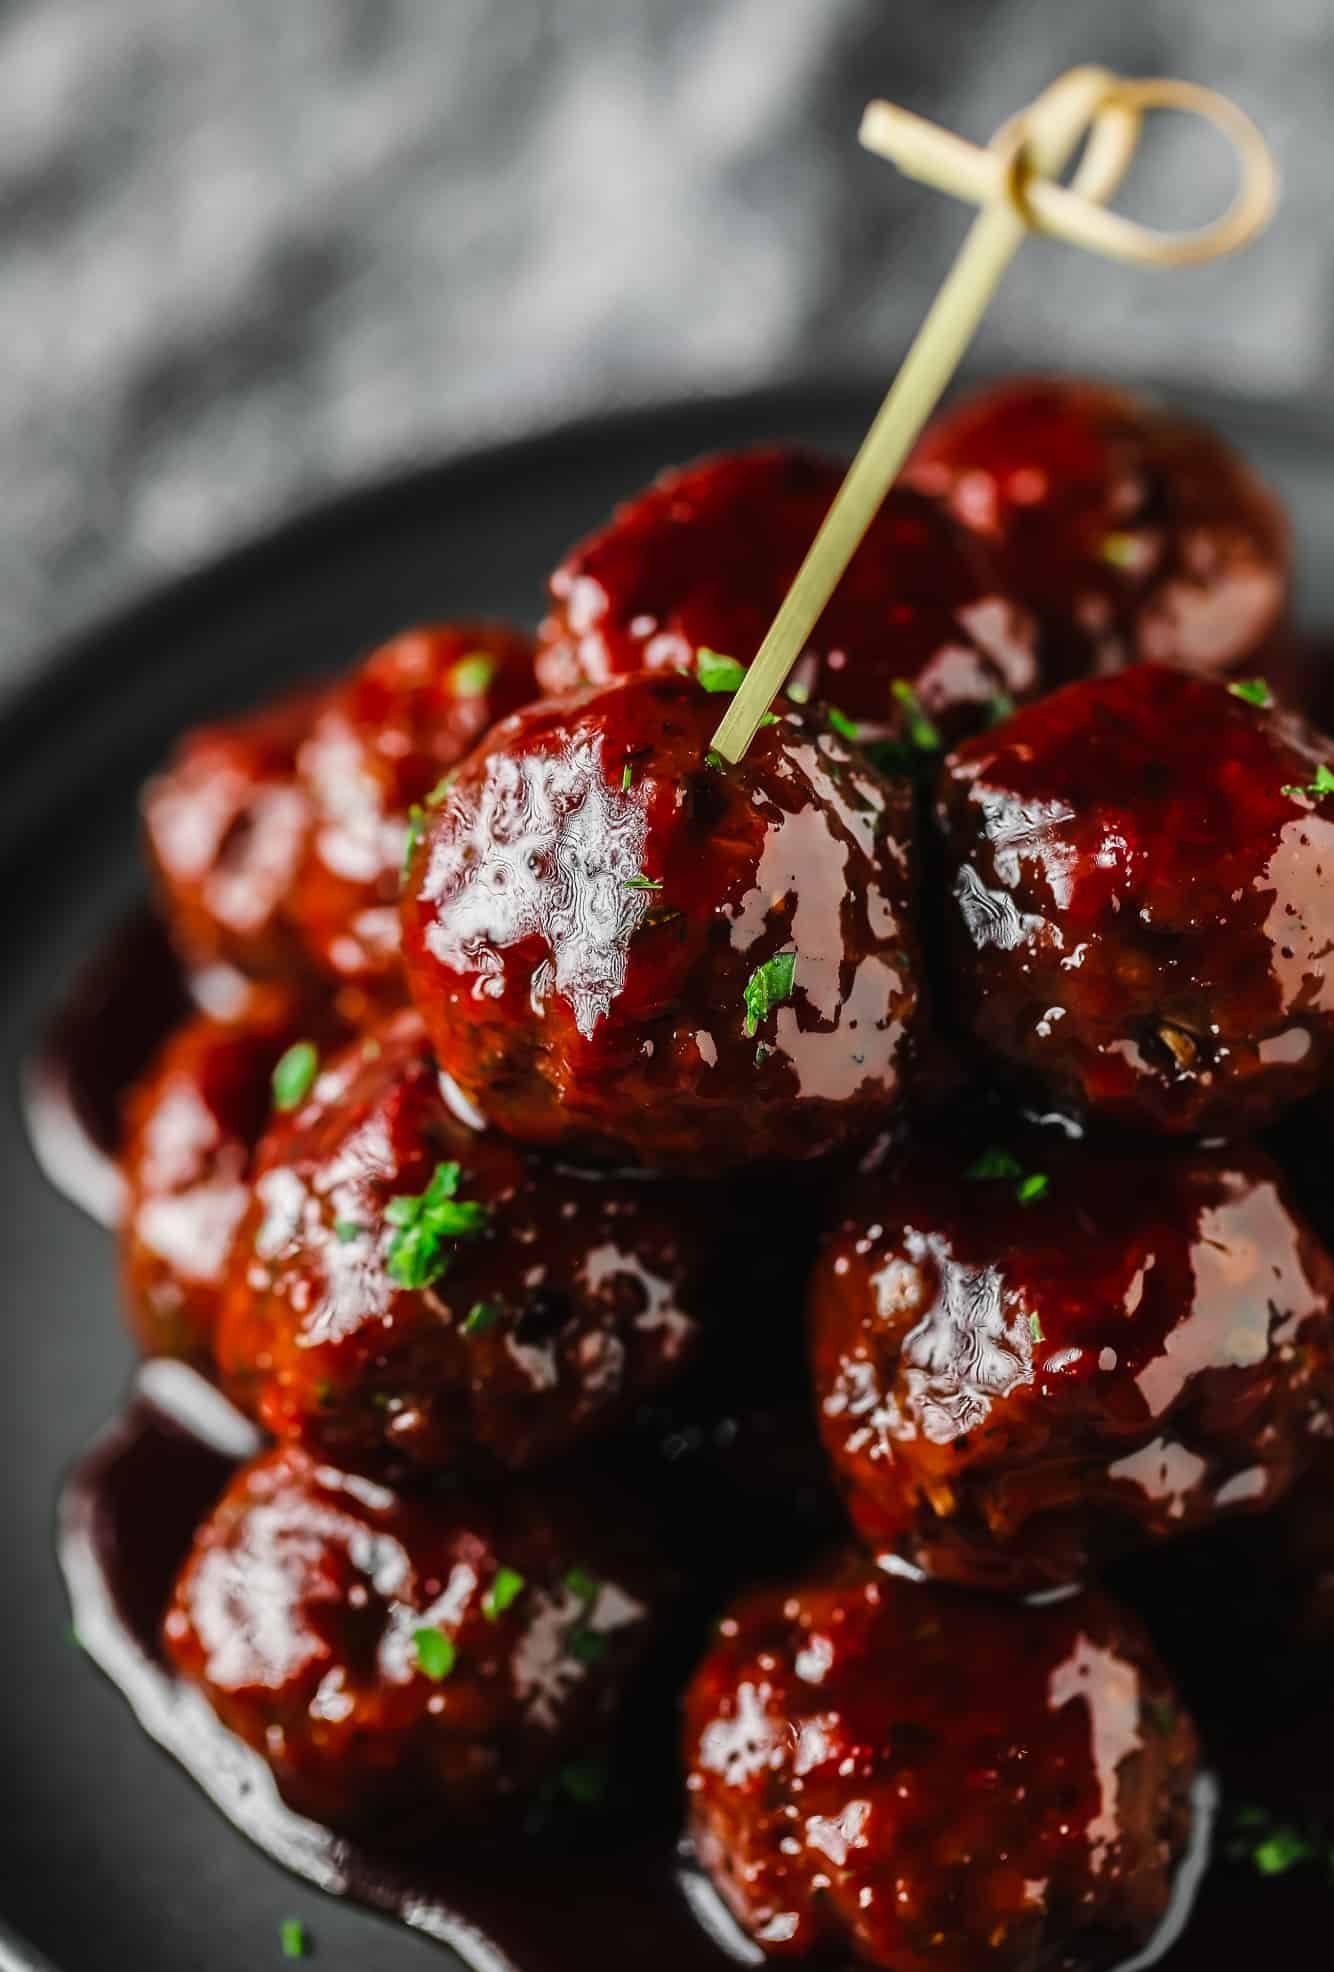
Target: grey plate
(110,1858)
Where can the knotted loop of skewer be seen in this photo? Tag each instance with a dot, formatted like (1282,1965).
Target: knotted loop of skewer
(1076,213)
(1014,182)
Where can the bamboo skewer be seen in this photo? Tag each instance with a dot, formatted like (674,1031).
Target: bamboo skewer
(1012,180)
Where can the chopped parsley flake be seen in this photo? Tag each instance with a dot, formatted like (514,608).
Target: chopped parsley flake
(768,986)
(579,1582)
(1274,1847)
(481,1316)
(441,789)
(416,822)
(627,775)
(586,1646)
(436,1653)
(292,1937)
(294,1073)
(1035,1325)
(585,1781)
(922,731)
(712,759)
(420,1251)
(1254,691)
(472,674)
(840,723)
(1000,707)
(1323,783)
(506,1584)
(797,692)
(997,1163)
(718,673)
(346,1230)
(641,882)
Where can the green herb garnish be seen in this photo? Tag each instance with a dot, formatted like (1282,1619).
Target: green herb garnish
(481,1316)
(1322,784)
(712,759)
(346,1230)
(627,775)
(586,1646)
(473,673)
(506,1584)
(923,732)
(292,1937)
(1000,707)
(768,986)
(640,882)
(998,1163)
(420,1251)
(840,723)
(718,673)
(585,1781)
(1254,691)
(436,1653)
(579,1582)
(1035,1327)
(294,1073)
(416,822)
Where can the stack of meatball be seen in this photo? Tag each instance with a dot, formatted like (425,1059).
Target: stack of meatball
(542,1045)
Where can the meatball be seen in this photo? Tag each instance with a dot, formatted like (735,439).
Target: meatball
(1027,1356)
(934,1781)
(620,942)
(410,1664)
(377,749)
(226,825)
(191,1126)
(1131,532)
(1141,872)
(703,558)
(407,1290)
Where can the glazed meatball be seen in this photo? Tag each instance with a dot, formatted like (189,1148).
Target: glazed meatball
(1130,532)
(191,1126)
(407,1290)
(937,1782)
(410,1664)
(1028,1356)
(622,943)
(703,558)
(226,826)
(1141,874)
(378,748)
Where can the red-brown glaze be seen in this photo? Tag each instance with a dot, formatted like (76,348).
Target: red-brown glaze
(1130,531)
(572,1006)
(379,745)
(191,1126)
(1142,908)
(225,825)
(705,555)
(298,1610)
(1013,1390)
(590,1288)
(937,1782)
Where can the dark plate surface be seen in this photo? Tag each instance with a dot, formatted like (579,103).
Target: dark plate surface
(110,1857)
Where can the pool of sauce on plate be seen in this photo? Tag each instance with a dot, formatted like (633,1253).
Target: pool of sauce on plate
(620,1892)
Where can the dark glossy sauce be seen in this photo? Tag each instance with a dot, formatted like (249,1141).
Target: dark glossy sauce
(622,1893)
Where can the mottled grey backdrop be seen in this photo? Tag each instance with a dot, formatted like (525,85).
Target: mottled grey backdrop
(255,250)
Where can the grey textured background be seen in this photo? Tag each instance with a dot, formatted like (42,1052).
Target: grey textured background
(256,250)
